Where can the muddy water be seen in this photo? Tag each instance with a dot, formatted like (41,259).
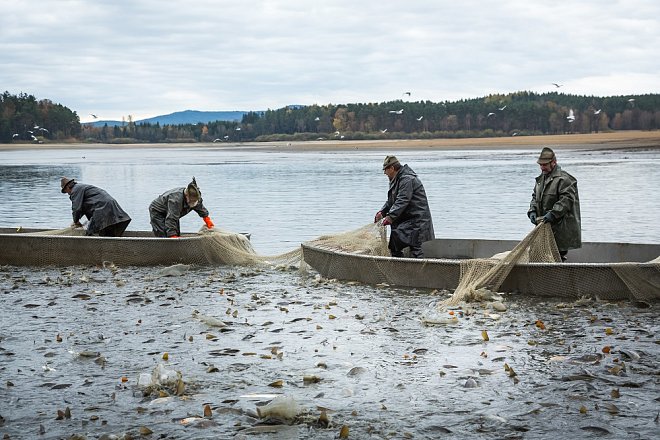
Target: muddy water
(80,337)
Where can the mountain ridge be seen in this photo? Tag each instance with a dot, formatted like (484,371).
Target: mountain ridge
(179,118)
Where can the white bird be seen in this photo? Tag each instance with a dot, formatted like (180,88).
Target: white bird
(34,138)
(420,118)
(238,128)
(341,137)
(317,118)
(502,108)
(557,85)
(490,114)
(631,100)
(216,140)
(397,112)
(94,116)
(15,135)
(337,133)
(383,131)
(515,133)
(571,116)
(36,127)
(597,111)
(226,137)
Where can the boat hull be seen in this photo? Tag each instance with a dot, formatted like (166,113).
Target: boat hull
(136,248)
(599,279)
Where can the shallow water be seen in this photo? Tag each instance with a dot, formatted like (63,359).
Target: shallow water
(380,372)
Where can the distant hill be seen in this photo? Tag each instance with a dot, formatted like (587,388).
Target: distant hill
(184,117)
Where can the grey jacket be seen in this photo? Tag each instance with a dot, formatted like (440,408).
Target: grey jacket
(100,208)
(558,193)
(169,207)
(408,207)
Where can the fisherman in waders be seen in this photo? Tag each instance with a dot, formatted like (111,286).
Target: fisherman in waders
(406,210)
(166,210)
(555,200)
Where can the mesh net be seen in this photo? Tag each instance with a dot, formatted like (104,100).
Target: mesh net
(489,273)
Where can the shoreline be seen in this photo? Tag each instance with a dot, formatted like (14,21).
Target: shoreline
(615,140)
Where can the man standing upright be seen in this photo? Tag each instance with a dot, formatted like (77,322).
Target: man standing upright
(406,210)
(555,200)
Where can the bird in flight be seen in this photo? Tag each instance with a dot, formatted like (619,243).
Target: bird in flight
(502,108)
(406,93)
(217,140)
(317,118)
(597,111)
(490,114)
(94,116)
(238,128)
(571,116)
(397,112)
(420,118)
(557,85)
(383,131)
(15,135)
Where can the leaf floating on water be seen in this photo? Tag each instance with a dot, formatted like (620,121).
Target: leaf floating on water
(58,338)
(277,384)
(166,356)
(332,317)
(343,432)
(609,331)
(82,296)
(208,413)
(311,379)
(583,409)
(595,429)
(606,349)
(180,387)
(89,354)
(615,393)
(509,370)
(145,431)
(323,420)
(484,335)
(540,324)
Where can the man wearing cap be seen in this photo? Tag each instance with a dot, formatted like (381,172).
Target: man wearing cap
(555,200)
(166,210)
(406,210)
(106,218)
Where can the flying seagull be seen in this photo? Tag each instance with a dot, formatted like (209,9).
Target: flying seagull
(420,118)
(94,116)
(597,111)
(557,85)
(238,128)
(406,93)
(571,116)
(490,114)
(397,112)
(383,131)
(317,118)
(631,100)
(502,108)
(217,140)
(15,135)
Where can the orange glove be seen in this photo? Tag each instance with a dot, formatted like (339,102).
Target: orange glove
(174,236)
(209,223)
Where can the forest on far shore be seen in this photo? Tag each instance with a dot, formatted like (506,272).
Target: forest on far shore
(24,119)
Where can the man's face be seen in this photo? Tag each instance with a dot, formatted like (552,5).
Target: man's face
(546,168)
(390,172)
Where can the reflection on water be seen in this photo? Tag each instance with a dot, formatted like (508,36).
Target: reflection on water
(283,198)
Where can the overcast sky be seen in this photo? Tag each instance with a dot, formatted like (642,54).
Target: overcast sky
(147,58)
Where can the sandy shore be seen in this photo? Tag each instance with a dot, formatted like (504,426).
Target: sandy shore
(623,139)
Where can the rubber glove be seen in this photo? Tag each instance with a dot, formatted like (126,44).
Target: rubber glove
(532,218)
(378,216)
(387,221)
(174,236)
(209,223)
(548,218)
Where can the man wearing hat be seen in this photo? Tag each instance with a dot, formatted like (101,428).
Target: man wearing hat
(555,200)
(406,210)
(166,210)
(106,218)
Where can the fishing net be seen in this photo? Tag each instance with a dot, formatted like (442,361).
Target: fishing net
(488,274)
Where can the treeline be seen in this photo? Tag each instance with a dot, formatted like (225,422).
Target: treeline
(515,114)
(23,118)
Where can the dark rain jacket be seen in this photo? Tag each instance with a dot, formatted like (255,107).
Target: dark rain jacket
(166,210)
(100,208)
(557,192)
(408,209)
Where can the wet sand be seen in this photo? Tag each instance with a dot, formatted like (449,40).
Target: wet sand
(622,139)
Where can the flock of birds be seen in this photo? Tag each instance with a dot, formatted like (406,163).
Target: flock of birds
(570,118)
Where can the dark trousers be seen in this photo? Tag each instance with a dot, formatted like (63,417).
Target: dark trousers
(397,245)
(116,230)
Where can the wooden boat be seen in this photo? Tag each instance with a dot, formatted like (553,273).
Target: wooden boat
(603,270)
(33,247)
